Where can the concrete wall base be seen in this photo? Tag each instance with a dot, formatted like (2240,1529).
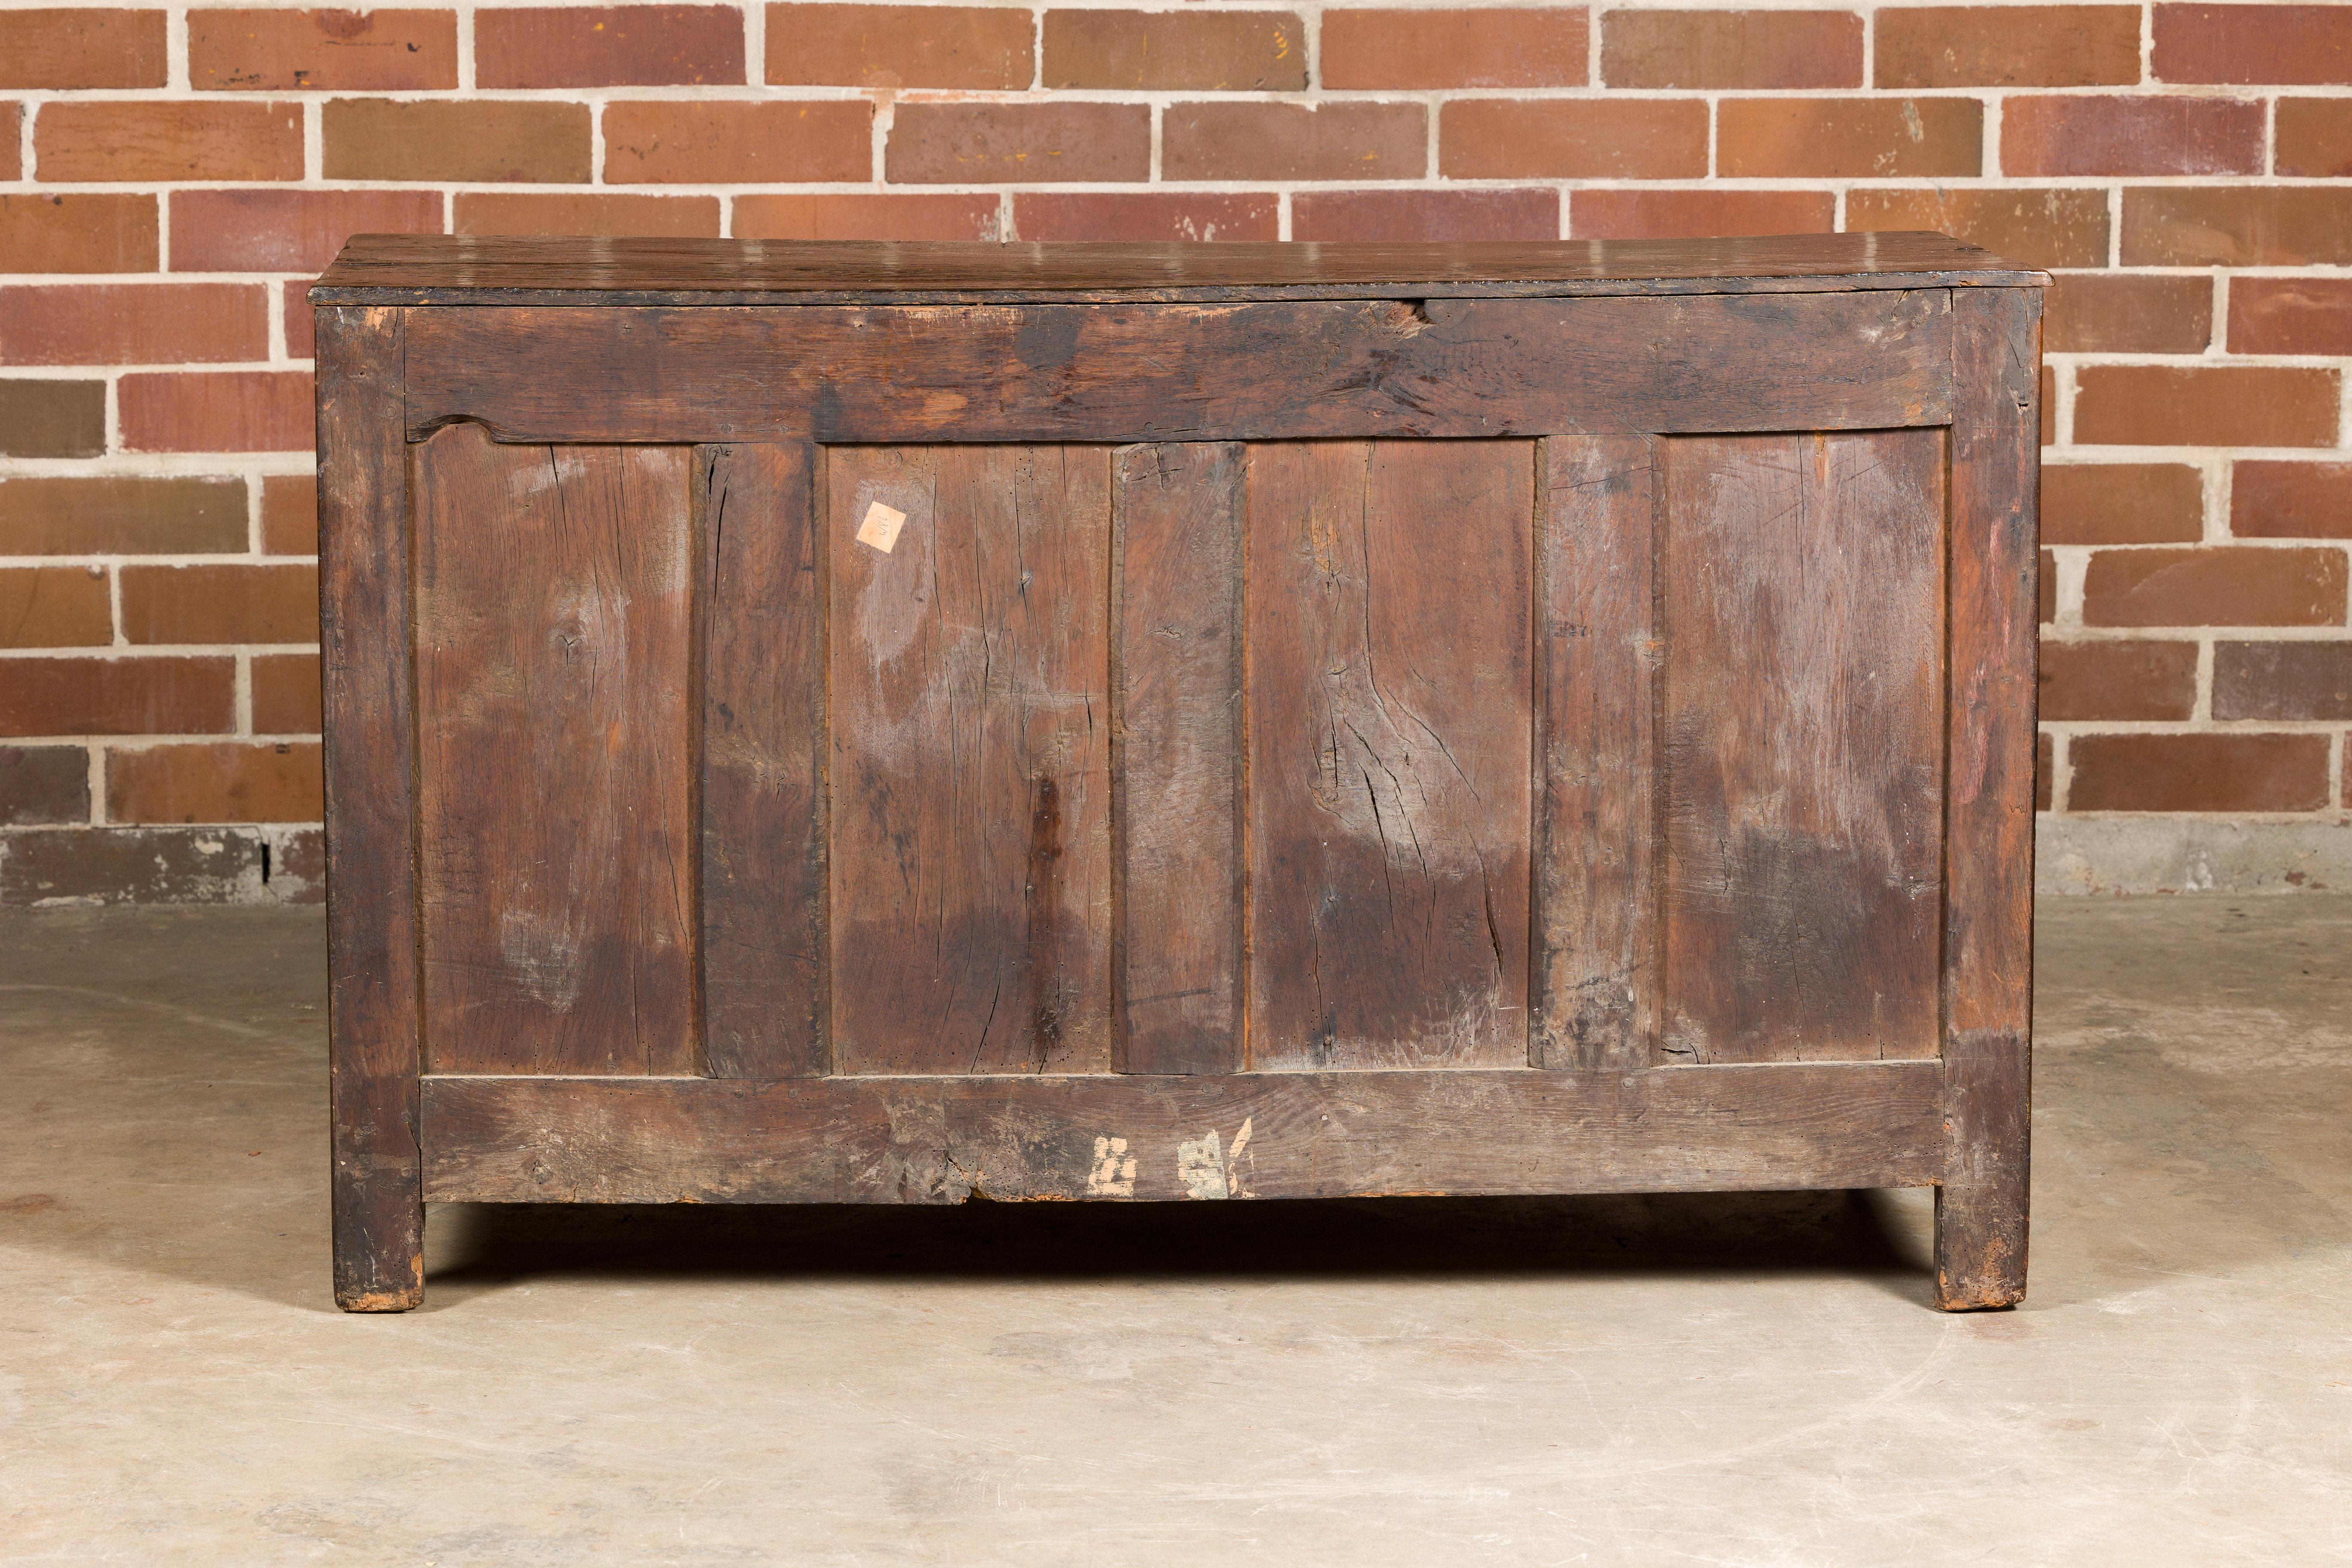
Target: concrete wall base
(2190,855)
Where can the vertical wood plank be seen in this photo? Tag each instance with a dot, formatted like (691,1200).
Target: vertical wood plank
(1596,964)
(1801,579)
(763,758)
(553,655)
(1982,1209)
(1176,745)
(970,725)
(373,1054)
(1390,720)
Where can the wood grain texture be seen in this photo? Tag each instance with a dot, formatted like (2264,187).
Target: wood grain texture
(1595,1003)
(1982,1209)
(1176,746)
(458,270)
(1185,372)
(762,762)
(1801,578)
(374,1046)
(971,735)
(1387,621)
(555,762)
(1274,1135)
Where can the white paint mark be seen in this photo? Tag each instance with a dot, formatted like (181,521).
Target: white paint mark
(1234,1188)
(1113,1175)
(880,529)
(1200,1167)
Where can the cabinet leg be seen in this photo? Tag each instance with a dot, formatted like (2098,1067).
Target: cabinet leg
(379,1238)
(1982,1207)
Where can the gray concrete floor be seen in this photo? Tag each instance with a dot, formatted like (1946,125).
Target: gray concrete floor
(1726,1380)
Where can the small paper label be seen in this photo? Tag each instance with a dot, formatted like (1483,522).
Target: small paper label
(881,527)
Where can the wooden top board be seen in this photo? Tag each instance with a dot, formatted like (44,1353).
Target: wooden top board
(461,269)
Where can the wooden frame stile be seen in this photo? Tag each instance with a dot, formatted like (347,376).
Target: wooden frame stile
(783,1111)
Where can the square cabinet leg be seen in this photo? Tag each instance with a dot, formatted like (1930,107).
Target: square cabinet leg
(378,1237)
(1980,1208)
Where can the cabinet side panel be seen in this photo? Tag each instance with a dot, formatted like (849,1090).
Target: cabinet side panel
(379,1207)
(1596,991)
(1176,746)
(969,707)
(1980,1209)
(554,646)
(1389,764)
(1802,589)
(762,729)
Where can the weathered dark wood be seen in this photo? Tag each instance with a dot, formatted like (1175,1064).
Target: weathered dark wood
(1595,1003)
(1176,748)
(555,761)
(1268,1135)
(1389,605)
(466,270)
(971,714)
(1182,372)
(1981,1204)
(762,762)
(379,1203)
(1802,583)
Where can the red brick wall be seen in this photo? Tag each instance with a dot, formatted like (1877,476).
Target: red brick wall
(169,178)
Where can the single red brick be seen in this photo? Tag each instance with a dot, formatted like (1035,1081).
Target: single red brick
(2045,770)
(12,141)
(53,606)
(1534,46)
(2214,585)
(68,48)
(1021,144)
(2249,225)
(2131,134)
(301,333)
(1731,48)
(608,46)
(497,212)
(2038,227)
(133,323)
(82,232)
(732,143)
(1345,141)
(224,782)
(1698,214)
(2315,137)
(1833,138)
(2093,680)
(968,46)
(44,785)
(2294,680)
(215,410)
(2255,45)
(1424,215)
(2007,46)
(117,696)
(52,418)
(224,603)
(183,141)
(287,231)
(480,142)
(1197,51)
(289,514)
(331,51)
(2197,773)
(2122,503)
(2291,316)
(285,694)
(862,217)
(2049,402)
(2290,501)
(2045,578)
(121,516)
(1572,138)
(2122,312)
(1145,216)
(2222,405)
